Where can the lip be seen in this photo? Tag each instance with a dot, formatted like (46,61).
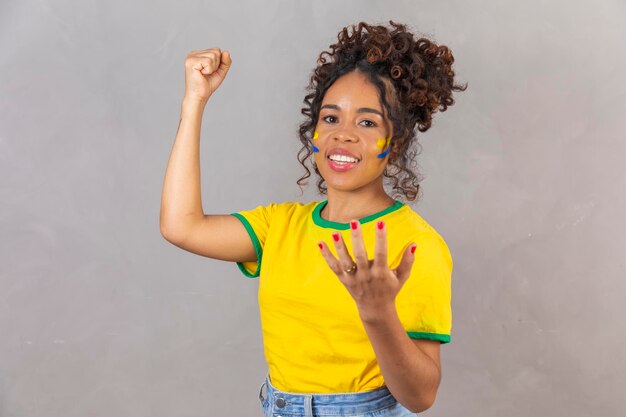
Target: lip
(341,167)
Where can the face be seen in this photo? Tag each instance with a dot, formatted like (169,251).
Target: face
(352,136)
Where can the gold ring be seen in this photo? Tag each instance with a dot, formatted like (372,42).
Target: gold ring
(351,269)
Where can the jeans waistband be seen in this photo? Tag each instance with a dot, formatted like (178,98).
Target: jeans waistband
(313,404)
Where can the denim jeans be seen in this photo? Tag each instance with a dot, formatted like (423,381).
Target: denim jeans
(374,403)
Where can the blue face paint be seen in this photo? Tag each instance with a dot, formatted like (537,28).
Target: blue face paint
(383,154)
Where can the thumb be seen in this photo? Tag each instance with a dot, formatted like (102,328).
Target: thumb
(225,63)
(403,271)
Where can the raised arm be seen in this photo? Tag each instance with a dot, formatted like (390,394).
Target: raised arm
(182,220)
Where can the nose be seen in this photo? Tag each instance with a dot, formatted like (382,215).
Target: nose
(345,135)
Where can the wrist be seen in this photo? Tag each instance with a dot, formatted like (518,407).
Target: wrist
(379,316)
(192,102)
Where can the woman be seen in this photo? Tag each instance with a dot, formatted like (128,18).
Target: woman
(353,328)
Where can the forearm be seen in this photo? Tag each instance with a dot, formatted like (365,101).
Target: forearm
(181,199)
(410,374)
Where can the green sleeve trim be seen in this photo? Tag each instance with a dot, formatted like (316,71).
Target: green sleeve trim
(443,338)
(257,247)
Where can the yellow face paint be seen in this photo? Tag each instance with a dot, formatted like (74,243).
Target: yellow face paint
(383,143)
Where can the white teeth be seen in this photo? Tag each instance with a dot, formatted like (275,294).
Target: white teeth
(343,158)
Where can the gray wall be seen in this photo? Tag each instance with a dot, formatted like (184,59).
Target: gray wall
(100,316)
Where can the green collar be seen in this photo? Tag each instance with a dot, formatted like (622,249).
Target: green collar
(318,220)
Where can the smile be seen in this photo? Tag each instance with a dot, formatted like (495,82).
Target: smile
(342,163)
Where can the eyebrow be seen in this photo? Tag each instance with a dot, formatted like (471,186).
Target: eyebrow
(360,110)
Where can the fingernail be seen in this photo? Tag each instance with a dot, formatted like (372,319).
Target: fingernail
(413,249)
(381,225)
(353,225)
(320,245)
(336,236)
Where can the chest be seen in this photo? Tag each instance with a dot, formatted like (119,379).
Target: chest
(296,277)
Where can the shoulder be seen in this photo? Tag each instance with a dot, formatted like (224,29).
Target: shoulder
(415,227)
(290,209)
(415,222)
(273,210)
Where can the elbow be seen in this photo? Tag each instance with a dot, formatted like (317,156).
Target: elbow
(175,229)
(423,405)
(167,234)
(427,395)
(170,228)
(163,226)
(423,402)
(164,232)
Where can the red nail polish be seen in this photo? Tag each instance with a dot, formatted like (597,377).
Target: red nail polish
(353,225)
(320,245)
(381,225)
(413,249)
(336,236)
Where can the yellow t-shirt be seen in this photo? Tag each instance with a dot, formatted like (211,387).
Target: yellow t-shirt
(314,340)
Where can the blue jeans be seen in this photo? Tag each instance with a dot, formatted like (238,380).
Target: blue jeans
(374,403)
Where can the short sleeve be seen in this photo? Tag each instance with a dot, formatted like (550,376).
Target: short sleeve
(257,223)
(426,301)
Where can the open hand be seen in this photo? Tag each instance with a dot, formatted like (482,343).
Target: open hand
(372,284)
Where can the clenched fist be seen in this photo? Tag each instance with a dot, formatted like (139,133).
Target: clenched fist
(204,72)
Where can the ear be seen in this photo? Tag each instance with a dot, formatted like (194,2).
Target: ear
(394,152)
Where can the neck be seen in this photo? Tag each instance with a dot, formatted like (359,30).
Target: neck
(344,206)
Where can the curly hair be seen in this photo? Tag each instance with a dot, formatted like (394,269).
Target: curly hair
(414,79)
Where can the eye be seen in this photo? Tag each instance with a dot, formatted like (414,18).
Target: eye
(372,123)
(325,118)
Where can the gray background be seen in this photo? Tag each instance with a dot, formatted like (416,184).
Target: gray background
(100,316)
